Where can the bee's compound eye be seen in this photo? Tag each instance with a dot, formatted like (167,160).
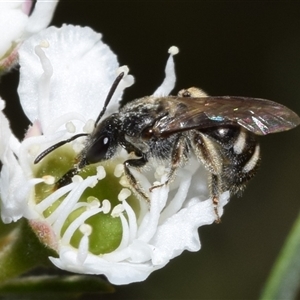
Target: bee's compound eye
(147,133)
(98,149)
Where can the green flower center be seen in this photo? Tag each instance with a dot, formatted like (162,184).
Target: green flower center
(107,230)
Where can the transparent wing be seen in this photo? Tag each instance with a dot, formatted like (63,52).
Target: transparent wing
(259,116)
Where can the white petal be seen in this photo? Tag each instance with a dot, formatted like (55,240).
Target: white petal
(180,232)
(83,71)
(40,17)
(5,131)
(13,187)
(12,23)
(14,190)
(117,273)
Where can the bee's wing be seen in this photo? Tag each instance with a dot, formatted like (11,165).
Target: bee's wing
(259,116)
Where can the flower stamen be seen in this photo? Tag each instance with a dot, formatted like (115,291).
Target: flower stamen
(119,170)
(170,77)
(106,206)
(159,198)
(124,194)
(101,173)
(176,203)
(70,127)
(117,210)
(48,179)
(51,199)
(125,234)
(59,216)
(89,126)
(132,221)
(83,249)
(44,82)
(66,237)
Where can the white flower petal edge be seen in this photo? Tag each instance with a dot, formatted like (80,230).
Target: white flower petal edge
(80,67)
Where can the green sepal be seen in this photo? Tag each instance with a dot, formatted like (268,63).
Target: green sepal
(20,250)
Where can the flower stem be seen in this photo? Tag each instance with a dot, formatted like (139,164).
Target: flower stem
(58,287)
(284,280)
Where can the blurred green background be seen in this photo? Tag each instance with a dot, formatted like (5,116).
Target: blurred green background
(239,48)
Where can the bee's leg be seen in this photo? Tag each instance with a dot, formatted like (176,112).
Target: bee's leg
(178,155)
(66,178)
(215,191)
(134,184)
(208,153)
(239,156)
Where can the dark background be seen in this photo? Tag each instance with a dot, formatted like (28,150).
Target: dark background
(240,48)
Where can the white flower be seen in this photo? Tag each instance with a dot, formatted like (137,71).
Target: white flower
(95,224)
(16,25)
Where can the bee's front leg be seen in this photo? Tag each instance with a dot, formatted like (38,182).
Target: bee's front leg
(179,154)
(134,184)
(67,178)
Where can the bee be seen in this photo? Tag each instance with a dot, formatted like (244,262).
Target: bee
(220,131)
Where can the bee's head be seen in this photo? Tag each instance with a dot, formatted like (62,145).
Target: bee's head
(102,143)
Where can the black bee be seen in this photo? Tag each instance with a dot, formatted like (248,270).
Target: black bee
(220,131)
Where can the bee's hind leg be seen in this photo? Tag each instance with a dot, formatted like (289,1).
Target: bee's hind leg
(215,191)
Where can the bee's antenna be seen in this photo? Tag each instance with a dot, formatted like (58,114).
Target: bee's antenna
(67,178)
(109,96)
(107,100)
(57,145)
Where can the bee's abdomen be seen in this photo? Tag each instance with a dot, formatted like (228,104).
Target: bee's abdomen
(238,154)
